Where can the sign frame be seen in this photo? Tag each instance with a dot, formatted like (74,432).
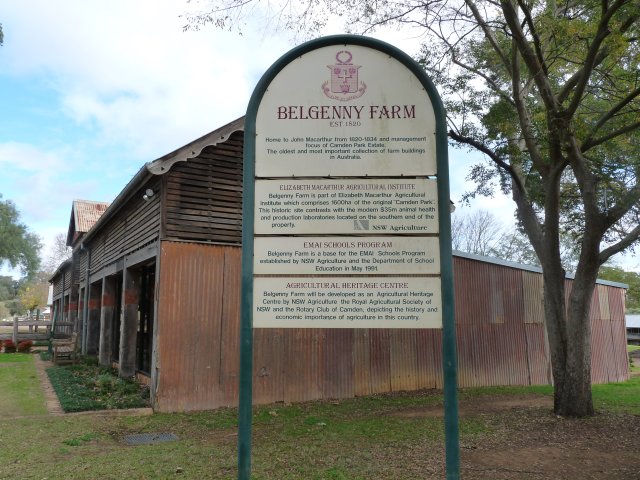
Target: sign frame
(446,264)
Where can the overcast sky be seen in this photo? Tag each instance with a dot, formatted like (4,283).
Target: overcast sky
(90,91)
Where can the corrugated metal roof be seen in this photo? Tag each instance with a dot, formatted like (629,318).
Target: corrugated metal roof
(86,213)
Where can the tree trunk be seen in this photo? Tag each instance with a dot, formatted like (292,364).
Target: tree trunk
(569,332)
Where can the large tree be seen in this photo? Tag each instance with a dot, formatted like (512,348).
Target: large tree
(58,253)
(479,232)
(549,92)
(18,247)
(33,295)
(8,288)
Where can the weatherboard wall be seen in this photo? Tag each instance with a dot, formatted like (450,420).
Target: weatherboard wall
(203,196)
(136,225)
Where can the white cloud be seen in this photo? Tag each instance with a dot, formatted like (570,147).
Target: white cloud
(128,69)
(28,158)
(38,181)
(29,175)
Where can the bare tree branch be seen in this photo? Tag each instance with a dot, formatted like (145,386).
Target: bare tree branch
(523,114)
(632,237)
(609,114)
(494,86)
(632,197)
(537,44)
(599,141)
(529,56)
(592,55)
(489,34)
(492,155)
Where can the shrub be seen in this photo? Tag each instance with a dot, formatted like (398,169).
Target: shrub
(9,346)
(90,387)
(25,346)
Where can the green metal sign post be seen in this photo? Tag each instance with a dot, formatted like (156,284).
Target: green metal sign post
(346,114)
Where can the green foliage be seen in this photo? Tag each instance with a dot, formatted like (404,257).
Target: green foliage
(15,307)
(90,387)
(617,274)
(18,246)
(8,288)
(81,440)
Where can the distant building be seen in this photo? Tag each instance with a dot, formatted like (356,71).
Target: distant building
(633,329)
(66,279)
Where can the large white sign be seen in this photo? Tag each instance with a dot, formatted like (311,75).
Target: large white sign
(346,206)
(345,220)
(344,302)
(345,111)
(345,201)
(346,255)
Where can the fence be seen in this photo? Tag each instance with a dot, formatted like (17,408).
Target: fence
(18,330)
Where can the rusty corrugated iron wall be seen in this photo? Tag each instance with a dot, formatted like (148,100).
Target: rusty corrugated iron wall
(500,334)
(197,334)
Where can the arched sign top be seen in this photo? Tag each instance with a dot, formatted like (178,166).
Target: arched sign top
(345,106)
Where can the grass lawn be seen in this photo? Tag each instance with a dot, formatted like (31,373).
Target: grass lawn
(634,367)
(20,391)
(396,436)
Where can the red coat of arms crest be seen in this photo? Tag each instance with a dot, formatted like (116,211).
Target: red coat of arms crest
(344,84)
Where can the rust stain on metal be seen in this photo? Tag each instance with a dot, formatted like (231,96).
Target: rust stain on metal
(199,287)
(131,296)
(501,338)
(108,300)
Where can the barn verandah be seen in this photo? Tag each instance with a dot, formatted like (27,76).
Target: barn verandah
(160,272)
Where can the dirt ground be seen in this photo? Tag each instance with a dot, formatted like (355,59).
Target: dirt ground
(530,442)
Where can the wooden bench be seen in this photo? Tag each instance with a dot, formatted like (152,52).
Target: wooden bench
(65,350)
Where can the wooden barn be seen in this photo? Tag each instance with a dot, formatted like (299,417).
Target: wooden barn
(154,284)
